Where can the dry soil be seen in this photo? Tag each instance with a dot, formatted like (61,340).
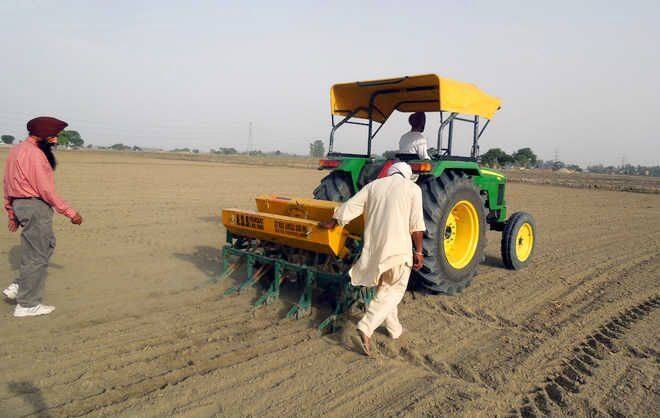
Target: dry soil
(141,329)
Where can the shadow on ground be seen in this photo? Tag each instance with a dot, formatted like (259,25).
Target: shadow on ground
(32,395)
(207,259)
(494,262)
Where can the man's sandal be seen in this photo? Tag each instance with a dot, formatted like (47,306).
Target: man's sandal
(363,343)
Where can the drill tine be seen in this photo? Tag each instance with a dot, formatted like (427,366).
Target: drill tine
(227,272)
(250,280)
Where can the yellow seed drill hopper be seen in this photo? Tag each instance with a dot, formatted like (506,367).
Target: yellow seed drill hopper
(283,236)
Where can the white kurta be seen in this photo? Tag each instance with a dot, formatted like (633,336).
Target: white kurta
(392,208)
(414,143)
(383,307)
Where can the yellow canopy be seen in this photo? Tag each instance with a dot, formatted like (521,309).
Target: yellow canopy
(417,93)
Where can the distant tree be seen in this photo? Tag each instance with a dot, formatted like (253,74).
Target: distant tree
(496,157)
(75,139)
(181,150)
(120,147)
(90,146)
(524,157)
(317,149)
(7,139)
(70,138)
(62,140)
(195,151)
(507,160)
(136,148)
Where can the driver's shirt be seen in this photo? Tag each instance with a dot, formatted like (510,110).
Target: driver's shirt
(414,143)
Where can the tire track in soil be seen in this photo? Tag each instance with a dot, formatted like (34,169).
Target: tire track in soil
(455,307)
(462,311)
(459,311)
(525,346)
(498,285)
(146,348)
(150,350)
(167,360)
(170,377)
(578,367)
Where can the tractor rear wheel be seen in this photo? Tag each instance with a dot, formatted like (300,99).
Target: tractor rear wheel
(455,237)
(336,186)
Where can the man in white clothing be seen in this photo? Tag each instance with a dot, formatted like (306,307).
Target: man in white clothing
(414,142)
(394,221)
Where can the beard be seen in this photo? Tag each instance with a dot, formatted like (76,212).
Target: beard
(47,149)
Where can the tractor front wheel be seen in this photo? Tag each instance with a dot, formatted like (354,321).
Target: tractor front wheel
(336,186)
(518,240)
(455,237)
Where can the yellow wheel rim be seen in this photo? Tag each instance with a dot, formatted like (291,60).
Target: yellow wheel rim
(524,241)
(461,234)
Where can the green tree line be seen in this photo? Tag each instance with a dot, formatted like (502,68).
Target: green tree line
(496,157)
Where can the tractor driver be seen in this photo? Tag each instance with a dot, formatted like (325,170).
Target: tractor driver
(414,142)
(394,221)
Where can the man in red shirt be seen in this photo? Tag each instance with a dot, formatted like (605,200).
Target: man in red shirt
(30,198)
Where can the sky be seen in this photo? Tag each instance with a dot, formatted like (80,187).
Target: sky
(577,79)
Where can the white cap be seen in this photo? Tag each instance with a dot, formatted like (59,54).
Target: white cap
(402,168)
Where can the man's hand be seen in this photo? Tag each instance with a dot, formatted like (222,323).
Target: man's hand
(418,260)
(77,219)
(328,224)
(13,225)
(418,245)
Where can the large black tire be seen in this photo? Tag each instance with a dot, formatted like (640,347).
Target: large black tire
(510,238)
(440,195)
(336,186)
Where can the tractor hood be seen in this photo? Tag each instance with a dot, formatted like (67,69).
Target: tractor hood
(492,175)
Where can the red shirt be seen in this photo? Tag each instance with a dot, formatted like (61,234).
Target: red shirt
(28,174)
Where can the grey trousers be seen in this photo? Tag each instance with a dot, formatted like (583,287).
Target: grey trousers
(37,246)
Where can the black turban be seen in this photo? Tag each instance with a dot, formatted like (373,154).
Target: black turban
(45,127)
(417,120)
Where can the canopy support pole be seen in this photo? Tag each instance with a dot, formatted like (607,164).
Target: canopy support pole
(483,128)
(475,138)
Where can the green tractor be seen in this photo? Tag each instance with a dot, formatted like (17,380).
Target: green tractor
(460,198)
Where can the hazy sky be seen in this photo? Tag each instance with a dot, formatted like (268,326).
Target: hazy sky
(579,77)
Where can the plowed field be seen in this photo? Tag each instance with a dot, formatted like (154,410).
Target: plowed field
(141,329)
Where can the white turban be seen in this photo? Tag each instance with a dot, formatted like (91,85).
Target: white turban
(402,168)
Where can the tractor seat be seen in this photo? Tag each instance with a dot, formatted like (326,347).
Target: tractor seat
(407,157)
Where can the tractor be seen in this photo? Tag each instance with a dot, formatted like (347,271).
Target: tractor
(460,200)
